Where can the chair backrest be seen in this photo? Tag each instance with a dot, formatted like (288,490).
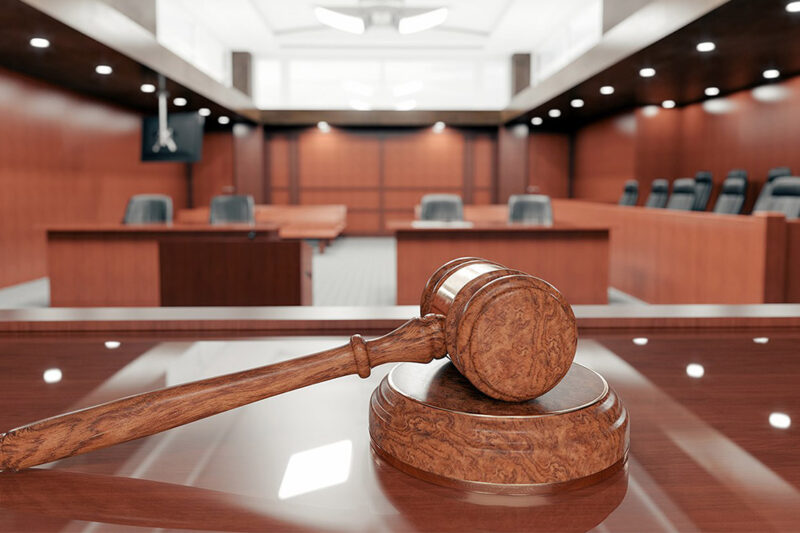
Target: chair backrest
(232,209)
(659,193)
(766,190)
(682,198)
(148,209)
(441,207)
(530,209)
(785,197)
(630,194)
(732,196)
(703,184)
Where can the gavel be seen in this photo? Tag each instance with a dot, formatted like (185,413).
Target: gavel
(512,335)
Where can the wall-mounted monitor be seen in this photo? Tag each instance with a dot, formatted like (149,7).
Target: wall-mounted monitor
(186,136)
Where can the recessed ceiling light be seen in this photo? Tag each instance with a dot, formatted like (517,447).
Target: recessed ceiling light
(711,91)
(148,88)
(223,120)
(52,375)
(780,420)
(668,104)
(179,101)
(323,126)
(105,70)
(640,341)
(771,73)
(204,111)
(793,7)
(576,102)
(537,121)
(706,46)
(647,72)
(761,340)
(694,370)
(113,345)
(39,42)
(438,127)
(555,113)
(606,89)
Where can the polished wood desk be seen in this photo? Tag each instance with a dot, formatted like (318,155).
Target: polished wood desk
(321,222)
(573,258)
(154,265)
(704,456)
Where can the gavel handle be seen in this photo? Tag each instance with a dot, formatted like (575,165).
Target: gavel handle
(418,340)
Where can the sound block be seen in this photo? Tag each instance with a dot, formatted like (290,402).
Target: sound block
(430,422)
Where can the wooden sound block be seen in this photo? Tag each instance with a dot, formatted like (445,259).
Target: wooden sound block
(430,422)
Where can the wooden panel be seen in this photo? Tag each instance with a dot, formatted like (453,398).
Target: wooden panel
(278,160)
(792,261)
(66,159)
(483,161)
(213,174)
(668,257)
(481,196)
(409,199)
(512,163)
(338,159)
(548,164)
(605,158)
(658,137)
(352,199)
(280,196)
(574,260)
(248,161)
(363,223)
(424,159)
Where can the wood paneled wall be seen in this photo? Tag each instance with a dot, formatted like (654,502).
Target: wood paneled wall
(754,129)
(379,174)
(548,164)
(66,159)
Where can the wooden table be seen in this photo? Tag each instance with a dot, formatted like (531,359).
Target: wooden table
(121,265)
(703,454)
(573,258)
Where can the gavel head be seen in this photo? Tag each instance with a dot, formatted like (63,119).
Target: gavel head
(511,334)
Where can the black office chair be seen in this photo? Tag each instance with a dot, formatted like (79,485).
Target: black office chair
(232,209)
(683,193)
(530,209)
(148,209)
(703,183)
(659,193)
(785,197)
(441,208)
(630,194)
(766,190)
(732,196)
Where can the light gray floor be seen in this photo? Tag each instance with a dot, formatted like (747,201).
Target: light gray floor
(352,271)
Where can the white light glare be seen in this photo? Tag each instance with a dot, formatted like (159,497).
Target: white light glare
(422,22)
(555,113)
(647,72)
(793,7)
(52,375)
(113,345)
(606,90)
(438,127)
(323,126)
(316,469)
(104,70)
(537,121)
(179,101)
(576,102)
(39,42)
(406,105)
(761,340)
(771,73)
(223,120)
(706,46)
(204,111)
(409,87)
(339,21)
(360,105)
(711,91)
(640,341)
(668,104)
(780,420)
(694,370)
(148,88)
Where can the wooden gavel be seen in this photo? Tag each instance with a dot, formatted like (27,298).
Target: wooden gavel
(511,334)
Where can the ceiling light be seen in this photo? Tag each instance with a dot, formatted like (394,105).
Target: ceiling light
(647,72)
(793,7)
(640,341)
(668,104)
(706,46)
(223,120)
(711,91)
(537,121)
(113,345)
(39,42)
(360,105)
(438,127)
(422,22)
(105,70)
(761,340)
(405,105)
(339,21)
(771,73)
(694,370)
(52,375)
(179,101)
(148,88)
(204,112)
(606,89)
(323,126)
(577,102)
(780,420)
(555,113)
